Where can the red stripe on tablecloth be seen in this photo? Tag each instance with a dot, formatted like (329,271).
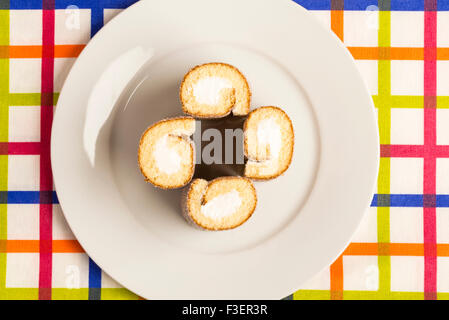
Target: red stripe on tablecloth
(20,148)
(412,151)
(46,179)
(429,185)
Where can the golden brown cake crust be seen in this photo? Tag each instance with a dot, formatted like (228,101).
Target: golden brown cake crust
(188,196)
(245,143)
(234,97)
(192,160)
(248,102)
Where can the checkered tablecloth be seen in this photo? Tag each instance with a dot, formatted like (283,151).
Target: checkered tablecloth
(401,250)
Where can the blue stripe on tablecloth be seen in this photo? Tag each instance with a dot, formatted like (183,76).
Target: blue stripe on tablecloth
(408,200)
(26,197)
(395,200)
(396,5)
(62,4)
(94,281)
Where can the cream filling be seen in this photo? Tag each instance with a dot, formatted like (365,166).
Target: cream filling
(207,90)
(269,133)
(222,206)
(167,159)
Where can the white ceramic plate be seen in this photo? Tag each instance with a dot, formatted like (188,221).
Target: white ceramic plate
(128,77)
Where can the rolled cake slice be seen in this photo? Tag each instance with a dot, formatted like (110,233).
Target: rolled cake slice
(268,143)
(213,90)
(167,154)
(223,203)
